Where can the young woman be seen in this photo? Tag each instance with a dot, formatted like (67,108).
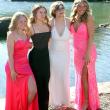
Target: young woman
(21,90)
(39,55)
(82,28)
(59,56)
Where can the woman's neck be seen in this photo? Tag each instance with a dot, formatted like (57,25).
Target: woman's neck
(78,18)
(20,32)
(59,19)
(39,22)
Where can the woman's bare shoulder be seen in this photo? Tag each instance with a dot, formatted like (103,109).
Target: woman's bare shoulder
(31,28)
(67,21)
(90,18)
(67,18)
(10,36)
(51,20)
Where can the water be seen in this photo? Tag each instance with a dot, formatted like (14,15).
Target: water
(101,13)
(101,10)
(3,58)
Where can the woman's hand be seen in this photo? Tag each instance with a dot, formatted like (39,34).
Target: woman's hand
(13,75)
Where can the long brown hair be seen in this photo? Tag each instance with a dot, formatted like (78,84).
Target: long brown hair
(33,14)
(84,17)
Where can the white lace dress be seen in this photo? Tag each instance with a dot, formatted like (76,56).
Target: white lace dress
(59,88)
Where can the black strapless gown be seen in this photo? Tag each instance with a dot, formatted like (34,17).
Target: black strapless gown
(40,65)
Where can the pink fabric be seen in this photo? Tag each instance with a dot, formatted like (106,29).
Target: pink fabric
(17,91)
(80,45)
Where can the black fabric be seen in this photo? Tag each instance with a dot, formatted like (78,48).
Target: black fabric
(40,64)
(40,40)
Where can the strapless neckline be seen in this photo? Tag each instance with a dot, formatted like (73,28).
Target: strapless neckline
(20,40)
(41,33)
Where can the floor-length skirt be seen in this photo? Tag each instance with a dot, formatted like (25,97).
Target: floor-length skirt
(40,64)
(17,91)
(59,78)
(92,83)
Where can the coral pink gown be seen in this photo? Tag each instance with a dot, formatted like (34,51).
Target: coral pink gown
(80,38)
(17,90)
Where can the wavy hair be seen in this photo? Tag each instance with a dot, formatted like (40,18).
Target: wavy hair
(33,14)
(84,17)
(14,20)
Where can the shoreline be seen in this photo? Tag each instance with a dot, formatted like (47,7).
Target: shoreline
(103,88)
(104,94)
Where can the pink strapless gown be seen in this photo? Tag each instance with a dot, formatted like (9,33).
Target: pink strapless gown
(17,91)
(80,46)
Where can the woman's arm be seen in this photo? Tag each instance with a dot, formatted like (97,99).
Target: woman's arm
(90,29)
(10,48)
(68,22)
(30,29)
(28,32)
(51,22)
(31,33)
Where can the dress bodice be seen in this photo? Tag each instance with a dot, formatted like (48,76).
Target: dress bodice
(21,48)
(20,56)
(60,42)
(40,40)
(55,34)
(80,36)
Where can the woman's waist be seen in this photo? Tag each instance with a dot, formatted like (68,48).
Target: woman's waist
(38,52)
(20,59)
(82,45)
(40,48)
(20,63)
(20,55)
(23,69)
(82,50)
(59,44)
(57,48)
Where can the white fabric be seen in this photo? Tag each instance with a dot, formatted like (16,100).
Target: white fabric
(59,67)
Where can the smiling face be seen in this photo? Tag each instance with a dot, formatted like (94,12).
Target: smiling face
(22,23)
(41,14)
(81,8)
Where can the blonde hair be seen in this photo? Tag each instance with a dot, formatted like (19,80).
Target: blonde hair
(54,6)
(33,14)
(14,20)
(84,17)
